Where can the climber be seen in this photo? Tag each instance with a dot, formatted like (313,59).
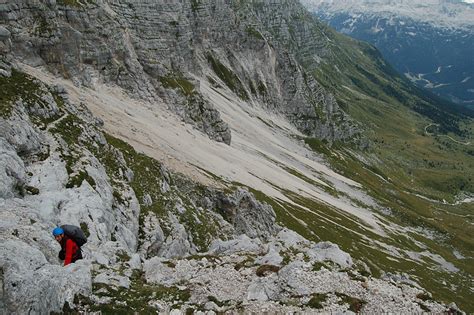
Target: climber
(70,245)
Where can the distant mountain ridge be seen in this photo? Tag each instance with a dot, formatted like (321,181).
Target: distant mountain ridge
(430,42)
(441,13)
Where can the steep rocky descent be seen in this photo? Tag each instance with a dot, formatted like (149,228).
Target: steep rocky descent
(153,50)
(57,168)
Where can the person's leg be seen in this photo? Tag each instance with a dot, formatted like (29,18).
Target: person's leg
(61,255)
(77,255)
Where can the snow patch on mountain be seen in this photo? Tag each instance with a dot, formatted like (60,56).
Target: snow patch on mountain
(443,13)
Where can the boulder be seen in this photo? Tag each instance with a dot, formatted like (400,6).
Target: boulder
(248,215)
(4,33)
(241,244)
(327,251)
(33,286)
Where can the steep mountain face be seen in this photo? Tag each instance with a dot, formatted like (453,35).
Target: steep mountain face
(215,154)
(148,48)
(431,43)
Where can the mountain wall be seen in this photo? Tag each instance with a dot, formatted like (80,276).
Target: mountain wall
(153,50)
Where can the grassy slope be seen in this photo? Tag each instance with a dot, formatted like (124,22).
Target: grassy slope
(396,114)
(402,161)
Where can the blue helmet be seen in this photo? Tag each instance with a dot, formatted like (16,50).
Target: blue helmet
(58,231)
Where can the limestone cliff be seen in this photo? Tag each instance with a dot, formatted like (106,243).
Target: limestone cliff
(155,50)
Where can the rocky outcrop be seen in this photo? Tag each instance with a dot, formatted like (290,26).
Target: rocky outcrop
(310,279)
(247,215)
(32,285)
(47,179)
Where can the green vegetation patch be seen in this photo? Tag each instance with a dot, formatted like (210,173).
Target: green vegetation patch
(123,256)
(202,233)
(354,276)
(136,299)
(355,304)
(18,86)
(85,229)
(32,190)
(178,82)
(58,99)
(69,128)
(249,261)
(317,145)
(424,296)
(262,89)
(253,32)
(76,180)
(228,77)
(217,302)
(320,264)
(317,301)
(43,27)
(195,5)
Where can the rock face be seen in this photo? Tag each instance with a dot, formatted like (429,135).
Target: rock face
(31,285)
(248,216)
(155,50)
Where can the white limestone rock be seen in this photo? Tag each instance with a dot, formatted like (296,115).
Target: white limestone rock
(241,244)
(178,243)
(265,289)
(135,262)
(32,285)
(158,272)
(273,257)
(248,215)
(111,278)
(4,33)
(12,171)
(328,251)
